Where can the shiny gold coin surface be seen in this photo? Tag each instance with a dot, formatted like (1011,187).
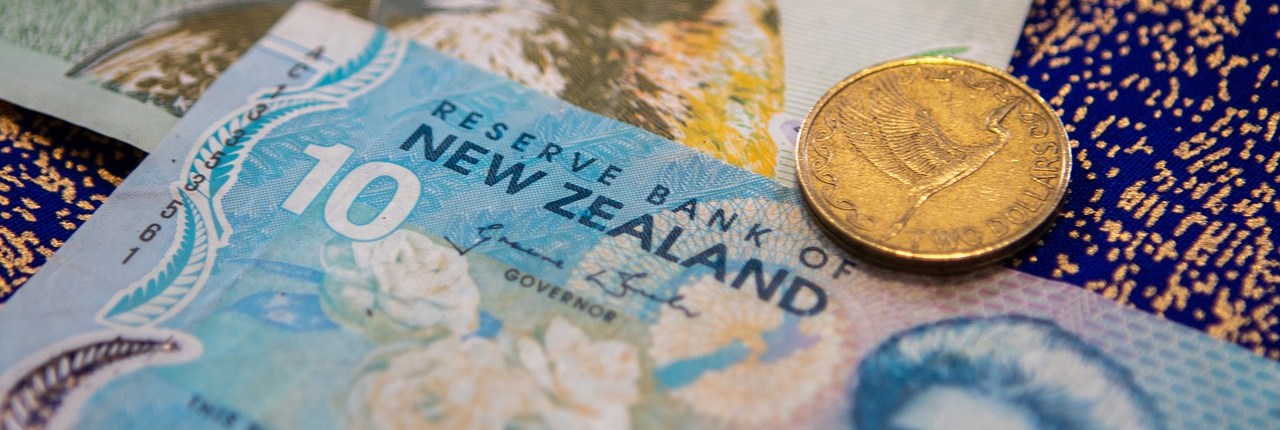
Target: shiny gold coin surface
(933,164)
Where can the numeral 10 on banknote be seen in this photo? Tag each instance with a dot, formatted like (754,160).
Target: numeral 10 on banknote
(336,209)
(215,159)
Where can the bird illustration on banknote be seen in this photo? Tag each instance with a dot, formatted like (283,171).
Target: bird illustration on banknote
(715,92)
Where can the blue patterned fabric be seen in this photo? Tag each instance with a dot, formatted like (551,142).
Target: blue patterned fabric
(1173,108)
(53,175)
(1173,111)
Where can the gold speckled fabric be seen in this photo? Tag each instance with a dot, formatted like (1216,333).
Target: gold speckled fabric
(1173,110)
(52,177)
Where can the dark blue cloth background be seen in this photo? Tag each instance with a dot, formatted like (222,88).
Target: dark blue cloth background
(53,175)
(1173,112)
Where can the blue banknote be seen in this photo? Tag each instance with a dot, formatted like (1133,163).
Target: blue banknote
(353,231)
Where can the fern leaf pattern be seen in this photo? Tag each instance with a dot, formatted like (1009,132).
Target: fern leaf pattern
(212,169)
(171,284)
(365,71)
(35,391)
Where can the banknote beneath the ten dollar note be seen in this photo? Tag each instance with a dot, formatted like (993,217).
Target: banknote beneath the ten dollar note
(706,74)
(352,230)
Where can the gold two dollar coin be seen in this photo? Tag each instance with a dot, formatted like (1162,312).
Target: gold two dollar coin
(933,164)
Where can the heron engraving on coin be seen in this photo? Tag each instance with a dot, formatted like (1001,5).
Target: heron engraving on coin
(902,139)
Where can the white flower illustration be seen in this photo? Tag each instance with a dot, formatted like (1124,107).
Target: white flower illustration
(565,382)
(402,284)
(450,384)
(586,385)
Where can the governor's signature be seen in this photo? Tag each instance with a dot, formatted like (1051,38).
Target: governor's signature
(485,235)
(623,287)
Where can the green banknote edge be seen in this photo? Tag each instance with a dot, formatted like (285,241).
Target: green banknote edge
(39,82)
